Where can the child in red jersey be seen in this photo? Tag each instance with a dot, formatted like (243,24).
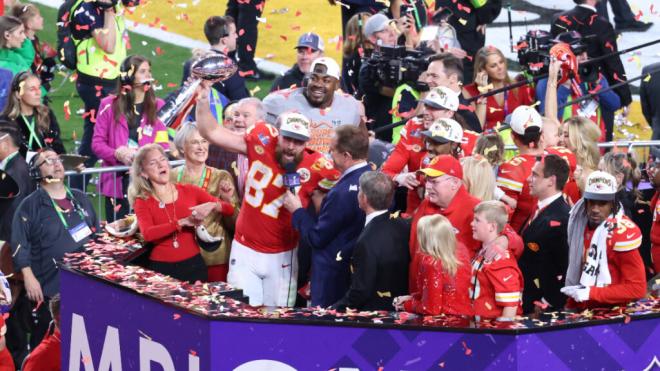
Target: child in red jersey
(497,283)
(443,277)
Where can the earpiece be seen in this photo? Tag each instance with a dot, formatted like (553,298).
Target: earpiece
(126,76)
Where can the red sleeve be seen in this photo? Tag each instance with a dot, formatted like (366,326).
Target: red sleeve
(505,279)
(203,197)
(510,178)
(149,230)
(516,245)
(259,139)
(397,160)
(429,300)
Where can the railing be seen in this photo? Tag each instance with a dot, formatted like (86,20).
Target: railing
(619,143)
(90,172)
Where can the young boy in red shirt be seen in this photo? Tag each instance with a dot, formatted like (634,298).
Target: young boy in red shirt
(497,283)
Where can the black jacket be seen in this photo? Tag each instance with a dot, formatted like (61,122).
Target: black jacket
(600,38)
(233,88)
(379,265)
(649,96)
(17,168)
(39,239)
(291,78)
(545,256)
(465,22)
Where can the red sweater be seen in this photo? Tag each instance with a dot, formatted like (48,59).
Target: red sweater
(160,225)
(46,356)
(440,293)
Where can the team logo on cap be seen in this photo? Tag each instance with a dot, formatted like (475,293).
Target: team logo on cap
(600,183)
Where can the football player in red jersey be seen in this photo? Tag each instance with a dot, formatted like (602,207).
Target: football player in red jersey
(441,102)
(654,177)
(497,283)
(526,126)
(263,259)
(604,264)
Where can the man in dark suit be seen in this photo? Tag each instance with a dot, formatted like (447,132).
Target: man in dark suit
(600,38)
(333,235)
(380,261)
(649,96)
(545,257)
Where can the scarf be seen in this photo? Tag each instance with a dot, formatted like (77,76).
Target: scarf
(596,270)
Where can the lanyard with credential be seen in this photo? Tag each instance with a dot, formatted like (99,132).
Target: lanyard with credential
(33,132)
(203,180)
(73,203)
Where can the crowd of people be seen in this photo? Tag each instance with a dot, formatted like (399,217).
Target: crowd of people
(348,185)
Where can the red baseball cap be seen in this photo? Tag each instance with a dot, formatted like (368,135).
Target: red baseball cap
(443,165)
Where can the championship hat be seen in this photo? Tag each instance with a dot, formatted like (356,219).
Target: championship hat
(444,131)
(443,165)
(442,98)
(294,125)
(601,186)
(526,120)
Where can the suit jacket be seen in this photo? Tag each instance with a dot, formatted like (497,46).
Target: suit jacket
(332,237)
(379,265)
(600,40)
(17,168)
(545,258)
(649,96)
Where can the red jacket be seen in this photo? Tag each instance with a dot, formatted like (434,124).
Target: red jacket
(46,356)
(496,284)
(460,213)
(409,151)
(626,269)
(440,293)
(655,233)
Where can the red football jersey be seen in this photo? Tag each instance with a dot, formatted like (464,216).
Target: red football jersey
(409,151)
(469,141)
(625,265)
(512,179)
(263,224)
(495,284)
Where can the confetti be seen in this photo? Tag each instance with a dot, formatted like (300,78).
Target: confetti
(468,351)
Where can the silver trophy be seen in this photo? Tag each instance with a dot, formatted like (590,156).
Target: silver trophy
(214,68)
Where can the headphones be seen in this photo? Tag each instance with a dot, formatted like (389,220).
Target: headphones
(33,168)
(126,77)
(16,83)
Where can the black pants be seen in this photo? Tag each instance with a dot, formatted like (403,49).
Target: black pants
(120,203)
(26,327)
(621,9)
(87,93)
(245,16)
(191,270)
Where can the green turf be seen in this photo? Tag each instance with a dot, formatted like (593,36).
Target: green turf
(166,68)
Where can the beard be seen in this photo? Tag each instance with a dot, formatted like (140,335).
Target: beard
(279,156)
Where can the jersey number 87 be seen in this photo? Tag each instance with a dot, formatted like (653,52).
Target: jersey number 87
(258,179)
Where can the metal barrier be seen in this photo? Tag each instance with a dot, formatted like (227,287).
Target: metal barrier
(97,171)
(619,143)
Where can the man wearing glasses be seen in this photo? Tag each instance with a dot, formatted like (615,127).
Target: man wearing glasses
(50,222)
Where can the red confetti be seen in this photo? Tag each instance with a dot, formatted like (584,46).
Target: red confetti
(171,85)
(241,32)
(248,47)
(117,208)
(82,27)
(592,18)
(193,352)
(467,108)
(555,223)
(468,351)
(540,304)
(464,8)
(295,27)
(609,46)
(260,6)
(626,319)
(617,78)
(639,15)
(246,73)
(159,51)
(106,59)
(298,13)
(596,89)
(176,316)
(565,19)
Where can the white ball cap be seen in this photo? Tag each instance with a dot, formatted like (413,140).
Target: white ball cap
(444,131)
(525,117)
(442,98)
(326,65)
(294,125)
(600,186)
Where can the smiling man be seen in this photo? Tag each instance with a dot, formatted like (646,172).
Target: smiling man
(320,101)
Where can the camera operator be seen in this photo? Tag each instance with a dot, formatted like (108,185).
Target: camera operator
(469,18)
(385,34)
(600,39)
(557,90)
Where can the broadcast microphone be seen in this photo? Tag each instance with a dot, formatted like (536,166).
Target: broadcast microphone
(291,177)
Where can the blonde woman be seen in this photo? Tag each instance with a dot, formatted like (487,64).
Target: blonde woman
(443,277)
(168,213)
(218,183)
(491,72)
(581,137)
(480,182)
